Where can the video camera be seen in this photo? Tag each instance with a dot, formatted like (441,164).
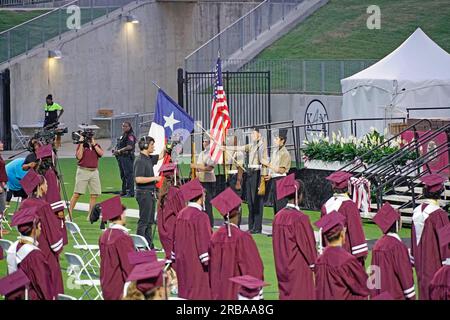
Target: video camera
(86,131)
(47,134)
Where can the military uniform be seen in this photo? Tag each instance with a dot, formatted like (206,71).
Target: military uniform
(255,202)
(282,159)
(125,160)
(235,162)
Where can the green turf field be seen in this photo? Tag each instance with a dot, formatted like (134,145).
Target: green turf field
(110,179)
(9,19)
(338,30)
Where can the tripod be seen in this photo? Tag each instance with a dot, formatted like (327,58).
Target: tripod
(62,186)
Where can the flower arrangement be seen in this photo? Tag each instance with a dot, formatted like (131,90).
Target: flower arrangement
(341,149)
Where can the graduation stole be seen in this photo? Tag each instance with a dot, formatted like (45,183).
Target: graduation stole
(420,216)
(335,202)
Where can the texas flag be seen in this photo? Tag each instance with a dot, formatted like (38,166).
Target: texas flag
(171,122)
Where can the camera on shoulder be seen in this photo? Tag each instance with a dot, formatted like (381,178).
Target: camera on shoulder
(86,131)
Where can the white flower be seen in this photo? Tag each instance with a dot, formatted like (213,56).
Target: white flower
(326,139)
(372,129)
(333,135)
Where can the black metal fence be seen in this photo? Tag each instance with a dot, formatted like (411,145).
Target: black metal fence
(248,96)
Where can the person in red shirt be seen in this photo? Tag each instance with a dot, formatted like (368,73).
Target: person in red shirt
(88,152)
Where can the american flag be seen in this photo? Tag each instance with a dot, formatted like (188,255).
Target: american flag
(220,117)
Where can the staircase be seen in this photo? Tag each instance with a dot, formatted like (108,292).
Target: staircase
(395,179)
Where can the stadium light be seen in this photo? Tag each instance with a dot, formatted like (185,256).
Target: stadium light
(56,54)
(132,18)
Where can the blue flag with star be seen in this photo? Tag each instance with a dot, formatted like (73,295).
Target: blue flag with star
(177,123)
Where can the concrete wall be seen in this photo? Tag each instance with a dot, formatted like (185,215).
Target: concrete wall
(293,107)
(111,64)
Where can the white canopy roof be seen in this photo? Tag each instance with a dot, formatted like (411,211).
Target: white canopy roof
(416,74)
(418,62)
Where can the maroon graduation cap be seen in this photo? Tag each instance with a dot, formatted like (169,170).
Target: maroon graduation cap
(44,151)
(331,223)
(226,202)
(287,186)
(433,182)
(384,296)
(386,217)
(111,208)
(250,286)
(30,181)
(13,282)
(168,169)
(25,219)
(444,235)
(339,179)
(147,275)
(139,257)
(192,189)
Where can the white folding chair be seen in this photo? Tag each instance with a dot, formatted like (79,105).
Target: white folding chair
(78,268)
(22,139)
(4,221)
(91,251)
(140,243)
(65,297)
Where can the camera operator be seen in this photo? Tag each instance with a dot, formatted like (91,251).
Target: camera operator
(87,176)
(145,186)
(125,157)
(51,111)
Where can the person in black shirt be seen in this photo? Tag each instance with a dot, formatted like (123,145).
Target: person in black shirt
(125,157)
(145,186)
(31,159)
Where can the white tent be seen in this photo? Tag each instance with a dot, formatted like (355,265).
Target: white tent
(416,74)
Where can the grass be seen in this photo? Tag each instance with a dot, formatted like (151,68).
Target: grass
(338,30)
(9,19)
(43,29)
(110,180)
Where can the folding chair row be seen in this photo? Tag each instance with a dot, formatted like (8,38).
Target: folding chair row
(90,252)
(82,278)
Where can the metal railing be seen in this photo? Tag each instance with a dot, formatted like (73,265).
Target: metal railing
(37,31)
(32,3)
(239,34)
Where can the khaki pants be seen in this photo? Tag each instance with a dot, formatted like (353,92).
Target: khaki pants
(87,178)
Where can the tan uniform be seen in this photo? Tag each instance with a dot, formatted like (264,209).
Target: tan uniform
(282,159)
(205,159)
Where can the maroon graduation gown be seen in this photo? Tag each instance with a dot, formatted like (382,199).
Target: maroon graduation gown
(115,245)
(192,235)
(440,284)
(36,268)
(340,276)
(396,274)
(53,197)
(427,255)
(355,240)
(167,215)
(294,249)
(232,257)
(50,240)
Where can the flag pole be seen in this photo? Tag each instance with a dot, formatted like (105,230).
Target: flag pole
(223,155)
(212,139)
(156,85)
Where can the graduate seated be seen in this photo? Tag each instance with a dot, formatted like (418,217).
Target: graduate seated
(115,245)
(355,242)
(233,252)
(149,281)
(391,256)
(24,255)
(428,218)
(12,285)
(339,275)
(440,284)
(251,288)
